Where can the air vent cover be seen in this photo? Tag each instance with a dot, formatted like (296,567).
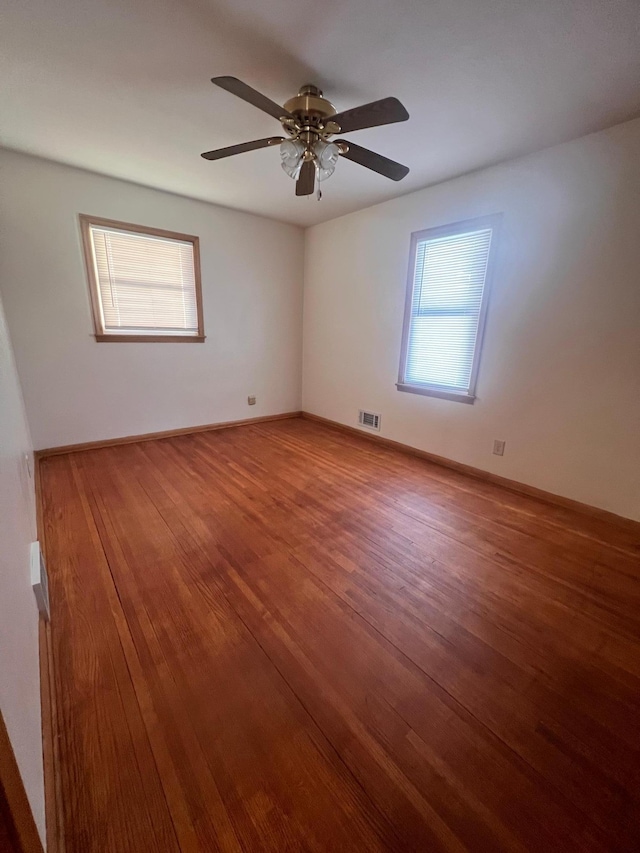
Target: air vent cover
(369,420)
(39,579)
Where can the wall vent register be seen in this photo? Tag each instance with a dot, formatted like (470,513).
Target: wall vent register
(39,579)
(369,420)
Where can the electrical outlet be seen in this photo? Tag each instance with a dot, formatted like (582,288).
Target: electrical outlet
(251,400)
(498,447)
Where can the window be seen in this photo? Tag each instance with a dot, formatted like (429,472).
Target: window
(446,304)
(144,283)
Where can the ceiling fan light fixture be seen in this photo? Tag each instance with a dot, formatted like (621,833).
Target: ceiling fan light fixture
(326,158)
(309,119)
(292,154)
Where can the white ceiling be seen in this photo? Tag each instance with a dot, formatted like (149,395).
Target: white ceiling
(122,87)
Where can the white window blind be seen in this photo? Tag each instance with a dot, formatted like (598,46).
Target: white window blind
(445,309)
(145,283)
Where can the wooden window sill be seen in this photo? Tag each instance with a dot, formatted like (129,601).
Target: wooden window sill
(457,396)
(151,339)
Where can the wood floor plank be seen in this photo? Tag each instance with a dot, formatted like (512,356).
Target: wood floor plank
(222,676)
(280,637)
(107,769)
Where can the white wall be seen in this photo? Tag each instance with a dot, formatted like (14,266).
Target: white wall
(559,378)
(19,656)
(78,390)
(560,373)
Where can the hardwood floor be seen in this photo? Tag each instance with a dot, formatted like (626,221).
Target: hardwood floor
(279,637)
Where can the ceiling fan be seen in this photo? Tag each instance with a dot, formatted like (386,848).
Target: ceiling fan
(310,120)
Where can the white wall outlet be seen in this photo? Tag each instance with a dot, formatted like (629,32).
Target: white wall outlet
(498,447)
(251,399)
(39,579)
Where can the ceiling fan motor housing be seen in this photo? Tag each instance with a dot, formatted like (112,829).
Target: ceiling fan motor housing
(309,107)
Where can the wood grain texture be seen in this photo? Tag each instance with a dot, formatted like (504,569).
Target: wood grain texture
(49,710)
(18,831)
(505,482)
(151,436)
(50,742)
(9,842)
(282,637)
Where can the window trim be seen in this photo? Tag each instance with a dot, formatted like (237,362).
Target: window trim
(479,223)
(101,336)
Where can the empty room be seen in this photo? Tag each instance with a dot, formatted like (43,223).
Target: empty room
(319,426)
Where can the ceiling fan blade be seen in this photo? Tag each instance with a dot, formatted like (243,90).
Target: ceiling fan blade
(241,90)
(386,111)
(219,153)
(371,160)
(306,179)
